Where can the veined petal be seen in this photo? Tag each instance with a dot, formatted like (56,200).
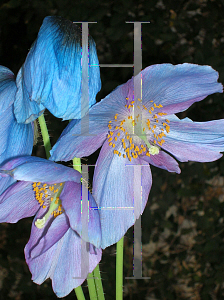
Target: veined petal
(25,110)
(52,72)
(17,202)
(74,263)
(177,87)
(163,161)
(63,263)
(30,168)
(195,141)
(41,239)
(83,137)
(82,211)
(117,186)
(7,88)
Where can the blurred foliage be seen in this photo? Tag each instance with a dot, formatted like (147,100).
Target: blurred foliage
(182,226)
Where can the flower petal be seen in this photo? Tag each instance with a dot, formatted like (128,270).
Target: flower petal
(163,161)
(116,184)
(82,213)
(41,239)
(83,137)
(30,168)
(62,263)
(177,87)
(7,88)
(52,72)
(195,141)
(17,202)
(25,110)
(74,264)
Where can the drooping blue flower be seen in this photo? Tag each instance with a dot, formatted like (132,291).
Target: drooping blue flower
(15,139)
(134,133)
(52,193)
(51,76)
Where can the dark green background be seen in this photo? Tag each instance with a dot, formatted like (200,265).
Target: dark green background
(182,225)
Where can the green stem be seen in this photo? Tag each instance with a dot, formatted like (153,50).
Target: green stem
(92,287)
(98,283)
(119,269)
(45,135)
(79,293)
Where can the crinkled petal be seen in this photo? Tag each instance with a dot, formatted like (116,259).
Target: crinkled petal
(7,88)
(163,161)
(116,183)
(30,168)
(52,72)
(63,263)
(17,202)
(177,87)
(25,110)
(76,198)
(41,239)
(195,141)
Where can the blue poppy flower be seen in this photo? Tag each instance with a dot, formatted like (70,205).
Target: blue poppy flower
(15,139)
(51,76)
(52,193)
(134,133)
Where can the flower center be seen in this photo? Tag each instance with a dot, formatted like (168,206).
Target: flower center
(139,130)
(48,197)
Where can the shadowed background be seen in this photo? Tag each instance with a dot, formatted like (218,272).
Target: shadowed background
(182,225)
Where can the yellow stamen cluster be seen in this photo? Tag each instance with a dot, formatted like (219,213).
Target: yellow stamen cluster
(44,194)
(125,127)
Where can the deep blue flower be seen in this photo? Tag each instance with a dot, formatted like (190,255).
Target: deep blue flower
(52,73)
(52,193)
(15,139)
(134,135)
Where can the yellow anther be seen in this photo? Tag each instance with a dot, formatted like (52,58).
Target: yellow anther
(150,112)
(126,98)
(119,154)
(154,126)
(152,108)
(148,154)
(127,150)
(115,138)
(130,140)
(122,140)
(154,141)
(144,129)
(139,100)
(44,206)
(167,129)
(113,145)
(110,139)
(118,134)
(168,121)
(155,105)
(151,101)
(116,127)
(34,184)
(142,146)
(160,105)
(138,106)
(38,183)
(128,137)
(125,105)
(144,149)
(110,144)
(110,121)
(136,148)
(124,156)
(157,121)
(155,117)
